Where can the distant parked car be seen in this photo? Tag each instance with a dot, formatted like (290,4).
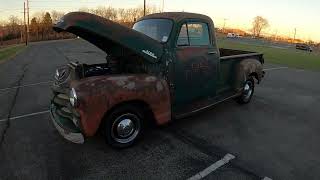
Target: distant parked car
(304,47)
(231,35)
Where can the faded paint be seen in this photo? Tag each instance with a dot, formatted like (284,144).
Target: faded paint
(94,103)
(110,36)
(245,69)
(151,79)
(130,86)
(159,86)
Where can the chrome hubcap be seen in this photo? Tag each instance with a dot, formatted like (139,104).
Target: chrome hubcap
(125,128)
(247,91)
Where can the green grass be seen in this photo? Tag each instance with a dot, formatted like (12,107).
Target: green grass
(8,52)
(287,57)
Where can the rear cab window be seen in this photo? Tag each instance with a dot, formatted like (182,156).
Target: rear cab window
(194,34)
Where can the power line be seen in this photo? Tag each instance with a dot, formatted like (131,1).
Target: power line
(3,10)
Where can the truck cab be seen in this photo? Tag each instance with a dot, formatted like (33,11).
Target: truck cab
(168,66)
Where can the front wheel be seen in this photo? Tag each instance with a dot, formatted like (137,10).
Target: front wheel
(123,126)
(247,93)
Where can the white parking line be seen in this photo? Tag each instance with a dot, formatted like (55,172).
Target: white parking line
(26,85)
(26,115)
(277,68)
(266,178)
(226,159)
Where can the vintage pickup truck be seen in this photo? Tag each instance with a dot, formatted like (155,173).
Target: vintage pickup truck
(168,66)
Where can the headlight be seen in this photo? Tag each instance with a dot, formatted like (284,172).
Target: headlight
(73,97)
(56,76)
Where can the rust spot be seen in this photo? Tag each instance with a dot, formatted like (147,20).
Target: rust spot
(130,86)
(159,86)
(112,90)
(117,78)
(120,83)
(151,79)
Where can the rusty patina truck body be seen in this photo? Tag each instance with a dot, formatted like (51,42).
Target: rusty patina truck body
(167,67)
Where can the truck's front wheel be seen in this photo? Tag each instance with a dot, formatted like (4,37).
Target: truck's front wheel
(123,126)
(247,93)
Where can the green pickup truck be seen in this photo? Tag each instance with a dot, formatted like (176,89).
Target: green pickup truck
(168,66)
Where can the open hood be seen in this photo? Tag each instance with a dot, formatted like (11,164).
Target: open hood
(110,36)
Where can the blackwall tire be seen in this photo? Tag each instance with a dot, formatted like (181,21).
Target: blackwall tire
(247,93)
(124,126)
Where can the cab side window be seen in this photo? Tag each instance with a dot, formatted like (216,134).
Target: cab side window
(183,39)
(198,34)
(194,34)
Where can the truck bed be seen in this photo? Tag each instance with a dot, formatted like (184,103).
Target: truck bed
(229,58)
(235,54)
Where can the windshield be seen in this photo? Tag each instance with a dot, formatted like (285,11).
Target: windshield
(158,29)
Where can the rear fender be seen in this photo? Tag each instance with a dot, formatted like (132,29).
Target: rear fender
(97,95)
(247,68)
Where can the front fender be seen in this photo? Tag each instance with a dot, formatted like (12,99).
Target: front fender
(247,68)
(97,95)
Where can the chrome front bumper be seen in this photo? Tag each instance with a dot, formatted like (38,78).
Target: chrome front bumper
(66,127)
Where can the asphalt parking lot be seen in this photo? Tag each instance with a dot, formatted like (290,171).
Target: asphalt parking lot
(276,136)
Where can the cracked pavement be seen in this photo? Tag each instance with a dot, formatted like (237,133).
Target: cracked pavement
(275,136)
(13,103)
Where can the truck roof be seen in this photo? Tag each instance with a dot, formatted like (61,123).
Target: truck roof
(177,16)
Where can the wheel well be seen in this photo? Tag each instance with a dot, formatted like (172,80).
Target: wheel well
(146,109)
(255,75)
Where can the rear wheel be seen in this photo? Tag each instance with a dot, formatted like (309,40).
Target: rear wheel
(247,93)
(124,126)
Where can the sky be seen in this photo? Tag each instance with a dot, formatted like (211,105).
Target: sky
(283,15)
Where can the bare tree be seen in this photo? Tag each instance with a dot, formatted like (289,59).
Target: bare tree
(46,25)
(2,23)
(2,30)
(13,25)
(34,27)
(311,42)
(56,16)
(41,22)
(121,15)
(259,23)
(128,16)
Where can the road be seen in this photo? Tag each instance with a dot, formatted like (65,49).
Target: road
(275,136)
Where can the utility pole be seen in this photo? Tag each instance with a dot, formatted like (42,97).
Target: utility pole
(276,35)
(224,25)
(28,21)
(24,23)
(162,5)
(144,8)
(295,33)
(1,35)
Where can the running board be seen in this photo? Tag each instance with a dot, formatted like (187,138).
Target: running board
(184,115)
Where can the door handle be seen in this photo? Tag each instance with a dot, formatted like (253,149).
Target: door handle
(212,52)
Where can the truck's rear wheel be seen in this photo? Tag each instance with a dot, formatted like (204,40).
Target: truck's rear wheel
(247,93)
(124,126)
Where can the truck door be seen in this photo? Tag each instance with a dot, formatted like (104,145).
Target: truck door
(196,63)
